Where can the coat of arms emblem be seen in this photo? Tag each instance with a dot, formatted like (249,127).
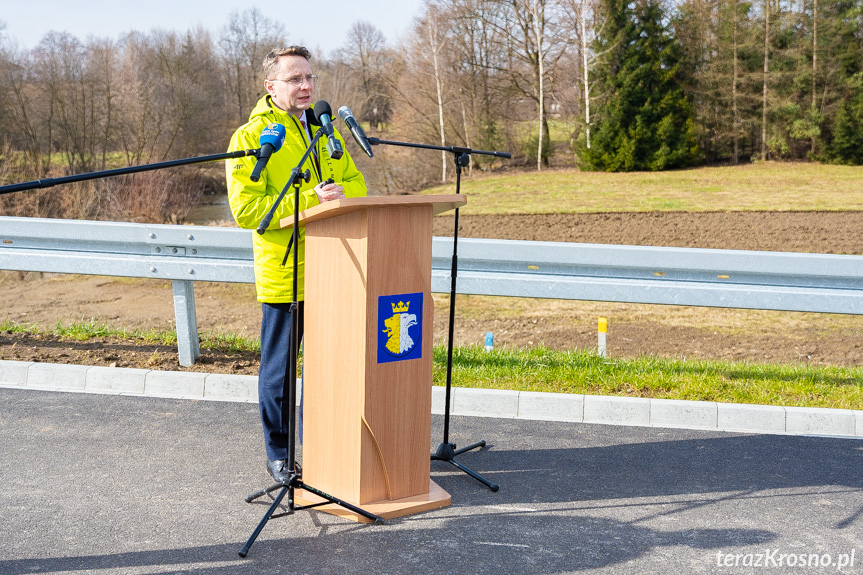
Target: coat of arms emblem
(400,327)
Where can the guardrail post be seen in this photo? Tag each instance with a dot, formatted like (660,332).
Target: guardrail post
(187,322)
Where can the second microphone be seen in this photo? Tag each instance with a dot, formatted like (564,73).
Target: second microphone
(324,115)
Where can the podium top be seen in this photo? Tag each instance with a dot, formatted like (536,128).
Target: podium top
(440,203)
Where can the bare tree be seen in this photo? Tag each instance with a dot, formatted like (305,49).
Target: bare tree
(764,84)
(60,61)
(436,40)
(244,43)
(143,116)
(582,17)
(365,49)
(814,61)
(424,91)
(4,91)
(32,133)
(585,71)
(533,23)
(477,70)
(188,92)
(535,46)
(336,83)
(734,75)
(101,72)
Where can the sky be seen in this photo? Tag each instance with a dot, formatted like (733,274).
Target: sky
(27,23)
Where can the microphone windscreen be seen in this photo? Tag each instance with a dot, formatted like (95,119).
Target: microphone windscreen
(322,107)
(273,134)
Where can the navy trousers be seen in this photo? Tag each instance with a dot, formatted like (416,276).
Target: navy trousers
(273,376)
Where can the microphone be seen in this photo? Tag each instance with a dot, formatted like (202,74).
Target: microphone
(324,113)
(272,138)
(356,130)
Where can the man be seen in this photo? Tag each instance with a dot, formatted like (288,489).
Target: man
(290,86)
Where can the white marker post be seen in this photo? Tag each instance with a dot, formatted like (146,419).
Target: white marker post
(601,332)
(489,341)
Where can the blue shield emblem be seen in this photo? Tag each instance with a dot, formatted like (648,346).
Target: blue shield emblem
(400,327)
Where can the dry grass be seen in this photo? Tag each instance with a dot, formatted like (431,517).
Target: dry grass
(162,196)
(155,197)
(764,186)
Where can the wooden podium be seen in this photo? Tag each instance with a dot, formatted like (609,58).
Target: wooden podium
(368,353)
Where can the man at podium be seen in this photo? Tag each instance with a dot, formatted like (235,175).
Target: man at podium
(290,86)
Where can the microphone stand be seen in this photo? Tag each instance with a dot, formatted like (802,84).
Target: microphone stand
(50,182)
(447,451)
(295,480)
(296,178)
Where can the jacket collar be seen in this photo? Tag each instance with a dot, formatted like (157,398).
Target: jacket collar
(266,106)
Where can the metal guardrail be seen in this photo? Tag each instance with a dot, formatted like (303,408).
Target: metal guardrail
(183,254)
(630,274)
(784,281)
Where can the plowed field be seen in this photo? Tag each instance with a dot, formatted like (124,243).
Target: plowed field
(633,329)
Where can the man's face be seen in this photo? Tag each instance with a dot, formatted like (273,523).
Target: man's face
(289,96)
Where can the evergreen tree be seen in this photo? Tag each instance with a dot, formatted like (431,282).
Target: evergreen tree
(847,144)
(645,121)
(845,133)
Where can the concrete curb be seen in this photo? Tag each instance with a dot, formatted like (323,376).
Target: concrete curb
(126,381)
(611,410)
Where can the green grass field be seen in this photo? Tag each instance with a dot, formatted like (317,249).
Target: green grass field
(767,186)
(584,372)
(578,371)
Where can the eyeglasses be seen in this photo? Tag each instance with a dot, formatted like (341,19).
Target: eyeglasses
(297,81)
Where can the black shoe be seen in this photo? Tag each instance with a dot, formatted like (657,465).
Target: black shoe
(279,469)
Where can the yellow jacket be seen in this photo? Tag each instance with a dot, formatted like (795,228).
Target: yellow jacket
(250,201)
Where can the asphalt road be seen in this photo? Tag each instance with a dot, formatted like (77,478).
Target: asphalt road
(115,484)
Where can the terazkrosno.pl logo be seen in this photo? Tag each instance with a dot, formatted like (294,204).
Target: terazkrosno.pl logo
(400,327)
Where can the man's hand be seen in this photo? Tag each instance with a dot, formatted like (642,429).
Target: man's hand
(328,191)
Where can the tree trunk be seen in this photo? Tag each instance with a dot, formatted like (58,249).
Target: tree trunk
(466,130)
(764,87)
(435,46)
(586,80)
(735,124)
(814,59)
(540,56)
(541,113)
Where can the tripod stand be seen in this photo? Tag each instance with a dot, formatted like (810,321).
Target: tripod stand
(447,451)
(294,480)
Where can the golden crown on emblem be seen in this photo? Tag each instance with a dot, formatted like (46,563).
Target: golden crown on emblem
(400,307)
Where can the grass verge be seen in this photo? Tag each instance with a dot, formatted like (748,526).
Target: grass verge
(579,371)
(90,329)
(583,372)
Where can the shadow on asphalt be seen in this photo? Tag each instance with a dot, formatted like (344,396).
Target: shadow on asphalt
(579,543)
(488,532)
(730,463)
(573,497)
